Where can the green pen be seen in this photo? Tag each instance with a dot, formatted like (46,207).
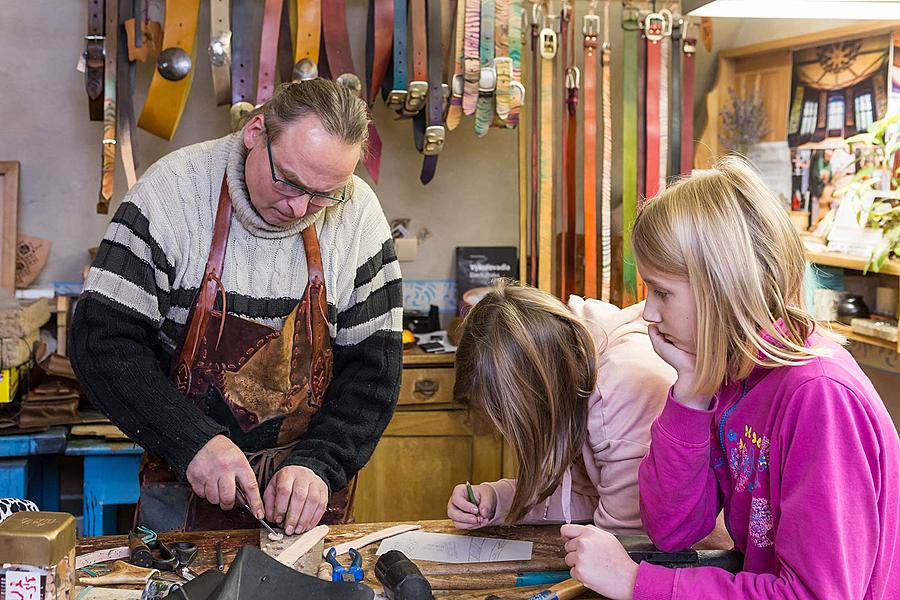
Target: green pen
(471,493)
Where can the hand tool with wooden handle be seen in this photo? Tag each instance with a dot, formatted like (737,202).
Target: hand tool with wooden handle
(566,590)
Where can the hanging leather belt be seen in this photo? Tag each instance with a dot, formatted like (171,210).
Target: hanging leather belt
(309,35)
(247,27)
(590,29)
(537,16)
(641,110)
(286,42)
(397,97)
(630,43)
(171,82)
(93,59)
(268,50)
(487,82)
(523,188)
(417,90)
(548,44)
(687,107)
(516,41)
(502,61)
(606,186)
(340,67)
(675,117)
(570,98)
(110,47)
(654,31)
(434,133)
(665,46)
(471,60)
(220,50)
(454,113)
(125,95)
(379,44)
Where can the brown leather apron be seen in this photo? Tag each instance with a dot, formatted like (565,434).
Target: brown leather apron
(250,376)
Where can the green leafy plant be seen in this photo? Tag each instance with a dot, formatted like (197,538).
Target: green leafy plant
(878,146)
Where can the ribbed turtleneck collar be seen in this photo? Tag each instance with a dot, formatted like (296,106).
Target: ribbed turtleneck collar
(243,209)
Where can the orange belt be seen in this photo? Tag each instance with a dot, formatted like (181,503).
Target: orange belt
(548,47)
(590,27)
(166,99)
(309,30)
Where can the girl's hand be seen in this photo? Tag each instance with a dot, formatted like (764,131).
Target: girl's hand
(466,515)
(684,363)
(599,561)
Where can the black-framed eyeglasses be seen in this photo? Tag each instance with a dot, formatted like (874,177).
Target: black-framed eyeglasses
(292,189)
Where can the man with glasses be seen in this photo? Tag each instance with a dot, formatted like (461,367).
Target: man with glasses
(242,320)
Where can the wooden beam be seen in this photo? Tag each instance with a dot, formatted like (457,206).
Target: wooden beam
(816,38)
(9,209)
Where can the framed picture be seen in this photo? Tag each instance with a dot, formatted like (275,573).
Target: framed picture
(9,209)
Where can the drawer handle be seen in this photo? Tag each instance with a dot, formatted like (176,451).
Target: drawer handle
(426,387)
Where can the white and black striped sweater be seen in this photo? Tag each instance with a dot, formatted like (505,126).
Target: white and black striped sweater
(145,277)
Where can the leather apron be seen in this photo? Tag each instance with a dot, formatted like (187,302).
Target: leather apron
(251,376)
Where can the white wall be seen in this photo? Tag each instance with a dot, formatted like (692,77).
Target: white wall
(44,125)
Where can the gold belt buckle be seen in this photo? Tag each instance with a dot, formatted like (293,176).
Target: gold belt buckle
(434,140)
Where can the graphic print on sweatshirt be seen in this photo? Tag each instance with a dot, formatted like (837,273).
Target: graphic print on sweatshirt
(748,464)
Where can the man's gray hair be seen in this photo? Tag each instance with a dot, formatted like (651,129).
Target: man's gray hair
(343,114)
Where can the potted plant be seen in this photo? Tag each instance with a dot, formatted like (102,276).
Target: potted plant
(874,181)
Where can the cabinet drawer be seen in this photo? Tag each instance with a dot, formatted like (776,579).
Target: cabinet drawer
(426,386)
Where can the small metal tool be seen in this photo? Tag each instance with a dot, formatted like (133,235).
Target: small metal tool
(274,534)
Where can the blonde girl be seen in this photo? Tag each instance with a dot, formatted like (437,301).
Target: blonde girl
(769,418)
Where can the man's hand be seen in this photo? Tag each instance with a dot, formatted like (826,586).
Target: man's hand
(296,498)
(214,470)
(599,561)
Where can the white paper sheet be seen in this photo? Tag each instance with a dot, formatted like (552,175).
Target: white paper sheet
(773,160)
(445,547)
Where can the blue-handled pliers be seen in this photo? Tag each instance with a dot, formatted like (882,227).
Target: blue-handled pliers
(341,573)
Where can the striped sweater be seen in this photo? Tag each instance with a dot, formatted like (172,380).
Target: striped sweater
(148,269)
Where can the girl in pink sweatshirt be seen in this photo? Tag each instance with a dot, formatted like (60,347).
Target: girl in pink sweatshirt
(574,391)
(769,417)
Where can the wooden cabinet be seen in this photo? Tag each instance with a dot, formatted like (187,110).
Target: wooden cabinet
(430,445)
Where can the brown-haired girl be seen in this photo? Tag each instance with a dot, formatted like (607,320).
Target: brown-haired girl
(573,390)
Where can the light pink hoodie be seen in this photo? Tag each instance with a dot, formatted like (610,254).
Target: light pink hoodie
(632,385)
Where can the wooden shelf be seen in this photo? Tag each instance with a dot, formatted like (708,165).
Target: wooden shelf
(846,261)
(858,337)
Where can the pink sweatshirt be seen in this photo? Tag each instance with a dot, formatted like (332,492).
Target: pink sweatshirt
(805,461)
(631,389)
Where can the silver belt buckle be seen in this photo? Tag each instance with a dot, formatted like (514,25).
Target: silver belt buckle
(434,140)
(396,99)
(220,49)
(415,99)
(458,85)
(487,82)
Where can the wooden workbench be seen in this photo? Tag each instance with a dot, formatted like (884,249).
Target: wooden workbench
(547,551)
